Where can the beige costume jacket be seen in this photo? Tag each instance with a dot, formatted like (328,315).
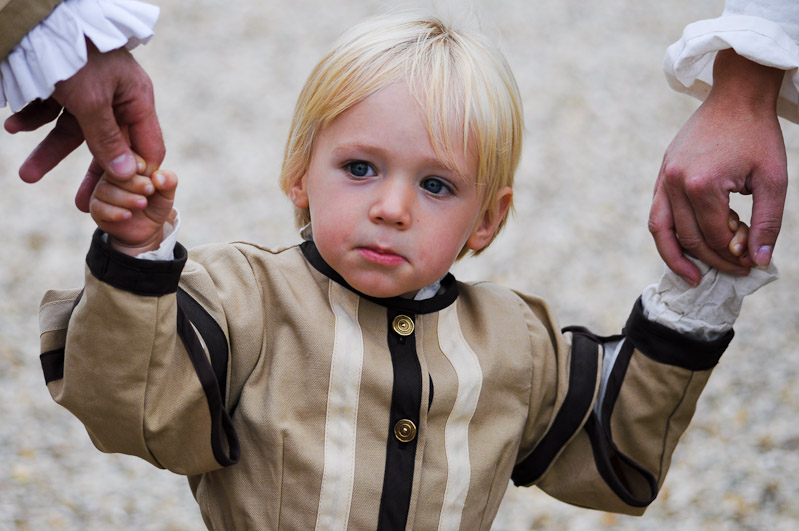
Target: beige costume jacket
(293,402)
(18,17)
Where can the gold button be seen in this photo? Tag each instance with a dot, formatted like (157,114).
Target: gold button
(405,430)
(403,325)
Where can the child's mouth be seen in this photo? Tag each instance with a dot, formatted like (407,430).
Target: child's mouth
(381,256)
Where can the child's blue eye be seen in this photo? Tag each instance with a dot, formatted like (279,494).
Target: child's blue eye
(359,168)
(435,186)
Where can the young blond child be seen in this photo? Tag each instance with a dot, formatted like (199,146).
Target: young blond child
(350,381)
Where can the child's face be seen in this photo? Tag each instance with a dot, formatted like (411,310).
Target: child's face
(386,212)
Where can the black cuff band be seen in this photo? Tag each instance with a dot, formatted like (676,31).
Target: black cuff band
(143,277)
(668,346)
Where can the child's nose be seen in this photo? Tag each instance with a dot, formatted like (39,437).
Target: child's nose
(393,204)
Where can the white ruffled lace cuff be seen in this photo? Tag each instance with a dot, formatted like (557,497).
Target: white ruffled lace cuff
(56,48)
(707,311)
(688,63)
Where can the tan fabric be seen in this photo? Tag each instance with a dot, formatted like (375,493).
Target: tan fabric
(18,17)
(499,376)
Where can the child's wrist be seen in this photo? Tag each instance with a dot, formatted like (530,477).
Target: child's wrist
(135,249)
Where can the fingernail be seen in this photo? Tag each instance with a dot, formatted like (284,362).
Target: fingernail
(690,281)
(738,249)
(160,179)
(733,225)
(123,165)
(140,166)
(763,255)
(149,189)
(141,203)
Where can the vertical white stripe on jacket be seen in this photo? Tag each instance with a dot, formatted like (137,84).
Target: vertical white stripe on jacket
(341,424)
(470,380)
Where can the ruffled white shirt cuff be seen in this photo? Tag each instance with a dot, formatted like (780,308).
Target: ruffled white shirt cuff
(688,63)
(708,310)
(56,49)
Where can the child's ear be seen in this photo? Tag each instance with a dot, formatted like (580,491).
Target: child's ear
(489,223)
(299,193)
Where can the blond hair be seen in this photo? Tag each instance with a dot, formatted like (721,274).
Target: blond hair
(462,82)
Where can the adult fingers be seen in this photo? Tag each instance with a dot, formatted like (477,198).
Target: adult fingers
(32,116)
(661,226)
(87,186)
(701,209)
(62,140)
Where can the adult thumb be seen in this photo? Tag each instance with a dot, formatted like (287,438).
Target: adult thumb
(767,208)
(108,144)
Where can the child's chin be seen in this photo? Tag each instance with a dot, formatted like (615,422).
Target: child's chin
(385,292)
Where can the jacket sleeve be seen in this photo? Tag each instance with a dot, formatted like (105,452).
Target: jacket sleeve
(18,17)
(623,405)
(143,361)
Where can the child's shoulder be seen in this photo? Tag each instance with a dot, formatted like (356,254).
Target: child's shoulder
(238,250)
(497,302)
(238,257)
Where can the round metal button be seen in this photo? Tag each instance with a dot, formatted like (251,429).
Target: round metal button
(403,325)
(405,430)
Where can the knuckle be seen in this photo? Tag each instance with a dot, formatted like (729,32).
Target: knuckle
(673,174)
(697,185)
(690,243)
(769,226)
(655,226)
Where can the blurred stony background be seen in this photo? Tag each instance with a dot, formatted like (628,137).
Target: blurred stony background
(598,115)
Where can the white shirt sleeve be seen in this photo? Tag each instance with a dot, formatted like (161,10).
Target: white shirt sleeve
(766,31)
(708,310)
(56,48)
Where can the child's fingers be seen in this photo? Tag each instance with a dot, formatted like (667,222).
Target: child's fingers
(116,195)
(166,182)
(740,240)
(138,184)
(733,220)
(739,244)
(103,212)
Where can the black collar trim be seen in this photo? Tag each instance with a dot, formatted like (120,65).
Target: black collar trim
(445,297)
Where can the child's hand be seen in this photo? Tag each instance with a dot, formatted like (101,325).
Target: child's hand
(740,241)
(133,212)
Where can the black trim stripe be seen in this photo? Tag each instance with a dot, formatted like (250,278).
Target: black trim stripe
(631,482)
(151,278)
(212,335)
(53,361)
(668,346)
(52,365)
(224,440)
(583,373)
(406,401)
(445,297)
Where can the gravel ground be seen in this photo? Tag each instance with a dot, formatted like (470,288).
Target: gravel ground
(598,115)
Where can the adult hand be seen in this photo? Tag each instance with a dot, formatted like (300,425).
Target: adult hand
(732,143)
(110,104)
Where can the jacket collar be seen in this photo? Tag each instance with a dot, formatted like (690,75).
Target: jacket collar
(446,295)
